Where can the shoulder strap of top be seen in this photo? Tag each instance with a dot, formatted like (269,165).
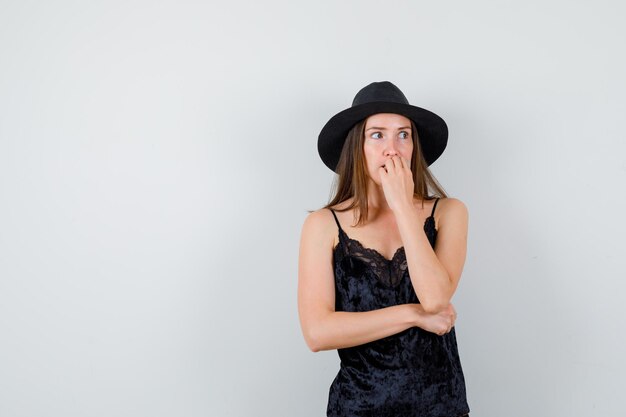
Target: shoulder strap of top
(345,250)
(434,207)
(336,220)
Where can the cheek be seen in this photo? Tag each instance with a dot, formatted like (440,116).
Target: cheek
(369,157)
(370,166)
(409,151)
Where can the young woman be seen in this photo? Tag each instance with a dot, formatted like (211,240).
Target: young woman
(379,264)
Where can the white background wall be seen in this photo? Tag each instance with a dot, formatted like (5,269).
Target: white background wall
(157,160)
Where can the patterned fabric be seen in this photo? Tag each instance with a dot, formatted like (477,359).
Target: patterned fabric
(412,373)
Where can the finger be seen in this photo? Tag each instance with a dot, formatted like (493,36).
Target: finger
(397,160)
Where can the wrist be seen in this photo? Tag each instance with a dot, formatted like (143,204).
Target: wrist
(417,314)
(404,209)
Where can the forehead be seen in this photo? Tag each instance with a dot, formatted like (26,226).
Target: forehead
(387,119)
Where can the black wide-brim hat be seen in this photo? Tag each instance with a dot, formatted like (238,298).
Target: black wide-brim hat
(382,97)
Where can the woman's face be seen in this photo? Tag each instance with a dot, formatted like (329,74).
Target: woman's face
(386,135)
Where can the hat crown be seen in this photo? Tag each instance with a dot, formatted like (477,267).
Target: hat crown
(379,91)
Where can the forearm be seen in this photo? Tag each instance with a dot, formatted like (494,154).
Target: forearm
(430,280)
(341,329)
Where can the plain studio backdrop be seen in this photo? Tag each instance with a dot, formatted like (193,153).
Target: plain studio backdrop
(157,161)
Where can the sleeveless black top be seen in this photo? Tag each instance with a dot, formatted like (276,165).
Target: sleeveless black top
(411,373)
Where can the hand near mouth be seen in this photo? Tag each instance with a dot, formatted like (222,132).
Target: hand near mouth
(397,182)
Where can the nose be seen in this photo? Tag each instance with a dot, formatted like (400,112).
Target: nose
(391,149)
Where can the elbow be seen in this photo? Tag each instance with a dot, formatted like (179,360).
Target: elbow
(434,307)
(316,334)
(313,345)
(313,341)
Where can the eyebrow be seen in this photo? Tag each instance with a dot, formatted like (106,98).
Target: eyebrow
(384,128)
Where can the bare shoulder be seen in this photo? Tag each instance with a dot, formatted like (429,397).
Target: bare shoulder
(452,213)
(321,224)
(318,228)
(452,204)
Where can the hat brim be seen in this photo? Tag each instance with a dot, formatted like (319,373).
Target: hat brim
(432,129)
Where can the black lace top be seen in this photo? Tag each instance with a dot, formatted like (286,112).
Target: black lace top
(411,373)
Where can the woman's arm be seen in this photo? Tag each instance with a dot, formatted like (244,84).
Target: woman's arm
(323,327)
(435,274)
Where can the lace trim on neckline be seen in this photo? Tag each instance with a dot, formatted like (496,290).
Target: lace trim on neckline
(388,271)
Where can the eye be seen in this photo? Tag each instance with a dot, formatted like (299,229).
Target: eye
(377,135)
(405,135)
